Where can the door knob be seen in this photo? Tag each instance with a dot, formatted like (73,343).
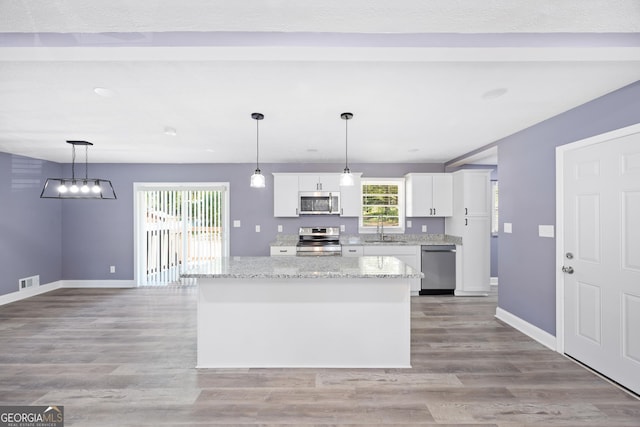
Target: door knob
(568,270)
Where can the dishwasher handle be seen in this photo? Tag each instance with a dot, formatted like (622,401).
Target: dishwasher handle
(439,248)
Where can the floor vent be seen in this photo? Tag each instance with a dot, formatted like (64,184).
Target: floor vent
(28,282)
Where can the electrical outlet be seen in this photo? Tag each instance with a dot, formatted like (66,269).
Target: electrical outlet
(409,223)
(342,227)
(257,228)
(508,227)
(279,228)
(112,269)
(424,228)
(236,223)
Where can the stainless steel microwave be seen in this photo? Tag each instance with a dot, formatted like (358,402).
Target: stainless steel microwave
(319,203)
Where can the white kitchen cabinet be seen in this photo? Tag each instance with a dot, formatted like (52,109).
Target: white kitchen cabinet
(283,251)
(408,254)
(319,182)
(429,194)
(471,220)
(477,192)
(352,251)
(351,197)
(285,195)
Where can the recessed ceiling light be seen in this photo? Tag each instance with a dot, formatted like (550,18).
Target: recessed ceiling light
(103,91)
(495,93)
(168,130)
(210,150)
(413,150)
(312,150)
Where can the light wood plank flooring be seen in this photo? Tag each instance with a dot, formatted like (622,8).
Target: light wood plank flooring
(125,357)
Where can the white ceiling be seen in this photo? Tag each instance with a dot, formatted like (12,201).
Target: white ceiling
(421,97)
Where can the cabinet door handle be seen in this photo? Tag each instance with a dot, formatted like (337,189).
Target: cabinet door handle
(283,251)
(352,250)
(466,211)
(466,222)
(434,211)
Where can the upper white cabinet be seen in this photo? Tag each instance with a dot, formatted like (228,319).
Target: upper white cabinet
(285,194)
(319,182)
(476,188)
(429,194)
(351,197)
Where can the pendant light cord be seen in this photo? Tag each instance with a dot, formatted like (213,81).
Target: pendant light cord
(346,145)
(257,143)
(86,162)
(73,162)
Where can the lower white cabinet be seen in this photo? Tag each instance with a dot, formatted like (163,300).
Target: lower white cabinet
(283,251)
(352,251)
(409,254)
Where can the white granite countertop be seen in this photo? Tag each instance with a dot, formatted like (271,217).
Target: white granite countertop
(309,267)
(372,239)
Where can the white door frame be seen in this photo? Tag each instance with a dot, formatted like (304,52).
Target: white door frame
(561,151)
(138,259)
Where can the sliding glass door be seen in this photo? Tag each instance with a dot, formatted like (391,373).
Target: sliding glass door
(178,227)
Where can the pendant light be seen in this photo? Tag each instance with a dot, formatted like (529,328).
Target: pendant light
(257,179)
(78,188)
(346,178)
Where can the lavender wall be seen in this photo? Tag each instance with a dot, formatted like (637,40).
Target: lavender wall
(527,199)
(30,227)
(98,234)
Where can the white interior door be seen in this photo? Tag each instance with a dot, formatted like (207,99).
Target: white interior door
(602,256)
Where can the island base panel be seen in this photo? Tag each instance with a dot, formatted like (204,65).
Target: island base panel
(337,323)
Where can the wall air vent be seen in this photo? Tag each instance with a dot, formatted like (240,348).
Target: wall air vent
(28,282)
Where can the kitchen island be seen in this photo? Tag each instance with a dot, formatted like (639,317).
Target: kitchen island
(328,311)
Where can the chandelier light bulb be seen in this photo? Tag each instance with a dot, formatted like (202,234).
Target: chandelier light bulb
(74,188)
(96,188)
(62,188)
(84,188)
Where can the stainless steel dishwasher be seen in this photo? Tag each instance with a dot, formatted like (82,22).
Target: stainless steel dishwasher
(439,269)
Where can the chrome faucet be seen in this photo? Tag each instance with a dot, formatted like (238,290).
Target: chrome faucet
(380,228)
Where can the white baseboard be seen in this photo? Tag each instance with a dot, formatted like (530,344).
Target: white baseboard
(459,293)
(527,328)
(30,292)
(493,281)
(37,290)
(98,284)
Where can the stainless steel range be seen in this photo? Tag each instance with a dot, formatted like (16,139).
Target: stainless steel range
(319,241)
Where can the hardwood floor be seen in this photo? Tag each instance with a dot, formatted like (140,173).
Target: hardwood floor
(125,357)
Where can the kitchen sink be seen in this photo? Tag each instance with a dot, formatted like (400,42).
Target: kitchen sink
(384,241)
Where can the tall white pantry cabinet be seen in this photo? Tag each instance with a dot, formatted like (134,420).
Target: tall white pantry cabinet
(471,220)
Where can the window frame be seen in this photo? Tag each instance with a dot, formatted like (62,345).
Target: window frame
(495,213)
(400,182)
